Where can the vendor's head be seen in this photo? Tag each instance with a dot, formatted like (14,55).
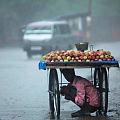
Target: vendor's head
(68,74)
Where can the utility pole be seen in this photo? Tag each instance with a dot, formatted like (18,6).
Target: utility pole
(88,21)
(90,7)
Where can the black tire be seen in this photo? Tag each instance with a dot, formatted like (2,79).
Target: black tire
(54,94)
(101,82)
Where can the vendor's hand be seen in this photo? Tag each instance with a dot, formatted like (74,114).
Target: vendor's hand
(67,97)
(64,90)
(72,92)
(69,85)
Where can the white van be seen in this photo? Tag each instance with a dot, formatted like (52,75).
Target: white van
(44,36)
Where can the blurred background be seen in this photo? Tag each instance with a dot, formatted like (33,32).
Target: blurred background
(105,14)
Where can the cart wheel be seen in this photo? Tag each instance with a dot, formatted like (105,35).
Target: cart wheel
(54,94)
(101,82)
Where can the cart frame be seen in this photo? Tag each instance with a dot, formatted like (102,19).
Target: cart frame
(101,72)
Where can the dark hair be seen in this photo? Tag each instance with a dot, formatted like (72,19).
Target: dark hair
(68,74)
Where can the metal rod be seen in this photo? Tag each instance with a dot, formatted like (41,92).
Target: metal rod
(48,78)
(61,80)
(108,78)
(91,76)
(63,83)
(51,92)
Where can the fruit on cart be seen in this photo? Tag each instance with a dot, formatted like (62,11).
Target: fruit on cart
(101,56)
(43,58)
(59,57)
(63,57)
(74,56)
(84,57)
(68,58)
(65,60)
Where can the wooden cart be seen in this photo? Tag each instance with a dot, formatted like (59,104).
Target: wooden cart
(101,71)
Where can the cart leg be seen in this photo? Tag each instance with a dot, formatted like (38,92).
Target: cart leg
(104,91)
(101,82)
(54,94)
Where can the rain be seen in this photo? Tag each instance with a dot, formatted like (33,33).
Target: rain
(23,86)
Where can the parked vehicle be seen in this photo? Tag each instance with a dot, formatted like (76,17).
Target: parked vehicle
(44,36)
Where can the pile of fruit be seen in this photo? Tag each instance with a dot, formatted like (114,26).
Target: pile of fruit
(78,56)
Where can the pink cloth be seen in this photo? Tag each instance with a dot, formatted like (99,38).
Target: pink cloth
(87,90)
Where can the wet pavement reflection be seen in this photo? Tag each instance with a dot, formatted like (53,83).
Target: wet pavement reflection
(24,89)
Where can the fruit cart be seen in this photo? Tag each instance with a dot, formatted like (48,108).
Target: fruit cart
(101,71)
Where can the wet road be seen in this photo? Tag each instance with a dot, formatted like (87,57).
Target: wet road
(23,88)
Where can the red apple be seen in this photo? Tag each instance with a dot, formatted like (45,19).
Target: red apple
(83,60)
(102,56)
(62,51)
(48,58)
(89,57)
(109,59)
(63,57)
(57,52)
(56,60)
(104,59)
(76,58)
(66,54)
(47,61)
(78,53)
(108,52)
(81,57)
(100,52)
(113,59)
(100,60)
(97,57)
(52,54)
(93,57)
(86,53)
(71,54)
(95,53)
(104,52)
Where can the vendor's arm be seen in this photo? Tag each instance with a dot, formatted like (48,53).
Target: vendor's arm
(80,97)
(72,93)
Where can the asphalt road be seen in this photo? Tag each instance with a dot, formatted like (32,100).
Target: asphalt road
(24,88)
